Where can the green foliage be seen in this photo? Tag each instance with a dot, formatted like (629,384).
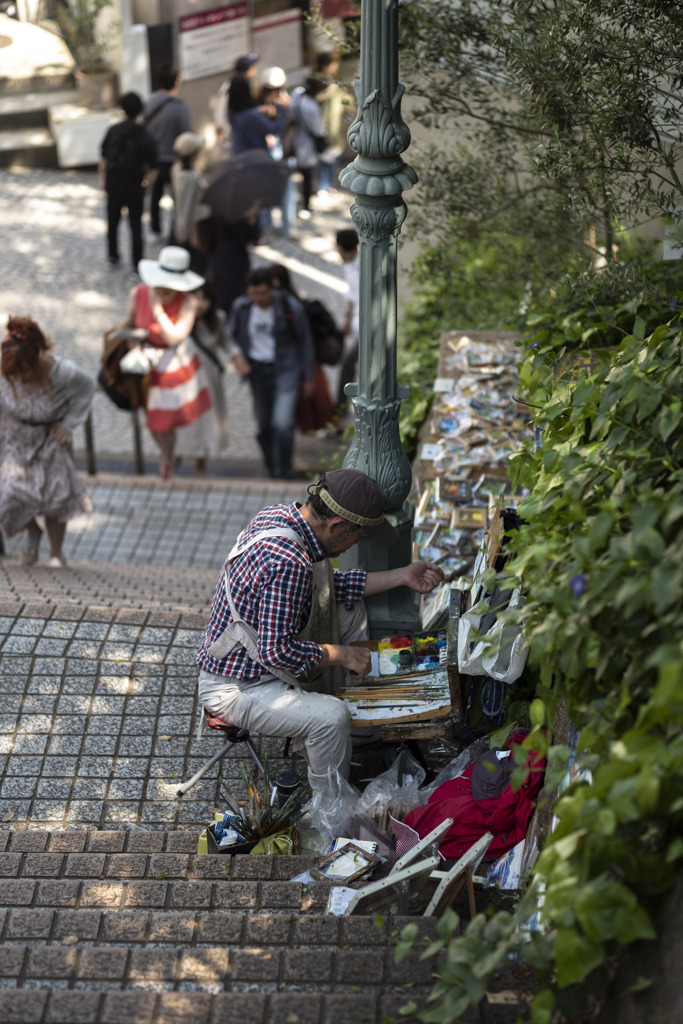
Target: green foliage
(602,564)
(78,23)
(573,105)
(597,311)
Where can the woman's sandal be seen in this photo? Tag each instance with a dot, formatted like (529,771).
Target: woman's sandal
(166,468)
(29,555)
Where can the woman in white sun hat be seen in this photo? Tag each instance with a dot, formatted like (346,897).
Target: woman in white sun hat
(163,306)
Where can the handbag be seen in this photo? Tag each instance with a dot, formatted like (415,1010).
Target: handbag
(136,360)
(127,391)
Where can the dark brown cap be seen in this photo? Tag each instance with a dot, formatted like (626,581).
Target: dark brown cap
(357,498)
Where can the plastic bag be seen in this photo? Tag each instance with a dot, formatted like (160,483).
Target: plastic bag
(395,791)
(455,767)
(332,807)
(334,811)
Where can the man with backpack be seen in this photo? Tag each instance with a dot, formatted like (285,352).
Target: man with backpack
(127,167)
(166,117)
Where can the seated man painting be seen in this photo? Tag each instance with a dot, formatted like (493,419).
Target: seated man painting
(281,618)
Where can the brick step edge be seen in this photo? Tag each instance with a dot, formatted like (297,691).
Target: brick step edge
(72,611)
(355,953)
(255,1007)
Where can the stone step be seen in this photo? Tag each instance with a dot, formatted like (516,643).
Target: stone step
(56,79)
(27,147)
(109,584)
(134,928)
(28,110)
(255,1003)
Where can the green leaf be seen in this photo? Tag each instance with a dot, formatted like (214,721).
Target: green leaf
(402,950)
(537,712)
(448,923)
(409,1010)
(542,1006)
(608,910)
(575,955)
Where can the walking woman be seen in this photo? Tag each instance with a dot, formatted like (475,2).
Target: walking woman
(209,435)
(42,399)
(179,390)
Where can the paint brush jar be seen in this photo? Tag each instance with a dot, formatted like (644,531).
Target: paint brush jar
(286,783)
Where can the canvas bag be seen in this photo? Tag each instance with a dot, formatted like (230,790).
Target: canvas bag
(475,657)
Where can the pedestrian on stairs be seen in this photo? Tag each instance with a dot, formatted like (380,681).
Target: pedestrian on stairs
(128,168)
(42,399)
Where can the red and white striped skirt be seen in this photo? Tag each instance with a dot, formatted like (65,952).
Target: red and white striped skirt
(178,390)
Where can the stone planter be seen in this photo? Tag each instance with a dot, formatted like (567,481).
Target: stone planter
(97,90)
(78,133)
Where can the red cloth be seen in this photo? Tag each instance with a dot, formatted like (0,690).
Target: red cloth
(506,816)
(315,412)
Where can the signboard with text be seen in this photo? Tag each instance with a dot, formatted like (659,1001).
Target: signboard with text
(210,42)
(277,39)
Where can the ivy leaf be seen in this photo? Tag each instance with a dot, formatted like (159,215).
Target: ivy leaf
(575,955)
(608,910)
(542,1006)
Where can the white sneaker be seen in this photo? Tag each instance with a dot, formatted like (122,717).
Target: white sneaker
(57,562)
(304,215)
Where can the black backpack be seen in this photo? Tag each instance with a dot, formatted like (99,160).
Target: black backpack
(124,160)
(327,338)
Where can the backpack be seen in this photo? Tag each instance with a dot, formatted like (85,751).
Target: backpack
(124,160)
(328,340)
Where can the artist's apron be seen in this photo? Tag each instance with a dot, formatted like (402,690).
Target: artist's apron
(322,626)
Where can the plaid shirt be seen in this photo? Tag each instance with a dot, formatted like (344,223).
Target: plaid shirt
(271,589)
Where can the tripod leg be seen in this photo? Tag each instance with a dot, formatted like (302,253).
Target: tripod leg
(187,786)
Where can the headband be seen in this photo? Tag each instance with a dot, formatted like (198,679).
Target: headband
(327,498)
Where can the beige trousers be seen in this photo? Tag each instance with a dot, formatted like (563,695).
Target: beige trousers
(268,706)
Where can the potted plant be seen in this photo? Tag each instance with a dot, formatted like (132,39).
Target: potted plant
(79,21)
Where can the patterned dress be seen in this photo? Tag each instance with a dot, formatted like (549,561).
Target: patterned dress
(178,389)
(37,475)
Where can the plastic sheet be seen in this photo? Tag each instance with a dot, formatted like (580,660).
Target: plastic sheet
(395,791)
(455,767)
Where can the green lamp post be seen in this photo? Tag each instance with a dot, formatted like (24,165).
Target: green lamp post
(377,177)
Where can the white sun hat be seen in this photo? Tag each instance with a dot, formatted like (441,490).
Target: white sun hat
(273,78)
(171,270)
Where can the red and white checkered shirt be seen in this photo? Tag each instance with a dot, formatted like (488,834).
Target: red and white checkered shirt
(271,587)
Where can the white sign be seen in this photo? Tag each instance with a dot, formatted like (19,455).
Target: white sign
(210,42)
(277,39)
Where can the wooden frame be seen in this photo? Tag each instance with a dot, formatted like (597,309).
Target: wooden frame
(422,846)
(460,875)
(369,861)
(378,894)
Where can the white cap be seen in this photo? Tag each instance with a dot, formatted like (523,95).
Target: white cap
(273,78)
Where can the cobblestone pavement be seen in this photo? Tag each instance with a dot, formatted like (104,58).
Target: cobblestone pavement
(97,660)
(147,522)
(53,267)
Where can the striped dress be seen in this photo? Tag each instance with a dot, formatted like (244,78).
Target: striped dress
(179,388)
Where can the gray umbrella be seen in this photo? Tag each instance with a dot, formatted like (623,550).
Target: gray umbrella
(244,184)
